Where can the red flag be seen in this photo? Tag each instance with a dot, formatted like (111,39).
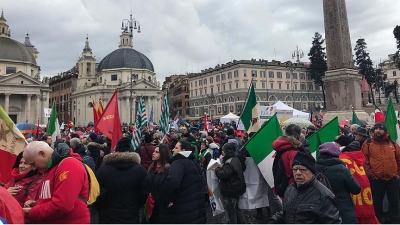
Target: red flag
(205,122)
(379,116)
(100,108)
(109,123)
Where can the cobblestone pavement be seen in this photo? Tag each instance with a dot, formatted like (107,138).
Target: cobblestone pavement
(249,214)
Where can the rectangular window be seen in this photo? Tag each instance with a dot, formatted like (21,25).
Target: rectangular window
(237,85)
(302,76)
(271,85)
(287,75)
(211,80)
(262,74)
(212,90)
(309,76)
(295,86)
(235,73)
(310,87)
(317,87)
(195,83)
(114,77)
(263,85)
(254,84)
(394,73)
(280,85)
(205,81)
(191,83)
(223,87)
(217,78)
(254,73)
(11,70)
(271,74)
(223,77)
(205,91)
(288,86)
(278,74)
(200,83)
(230,75)
(244,73)
(191,93)
(230,86)
(245,84)
(218,88)
(195,92)
(294,76)
(303,86)
(201,91)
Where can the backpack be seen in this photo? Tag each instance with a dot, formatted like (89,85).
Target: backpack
(324,180)
(281,182)
(94,186)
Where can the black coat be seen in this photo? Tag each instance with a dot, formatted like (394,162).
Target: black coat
(120,178)
(185,187)
(343,183)
(85,154)
(94,148)
(310,203)
(231,178)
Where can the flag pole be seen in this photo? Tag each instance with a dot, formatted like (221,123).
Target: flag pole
(245,103)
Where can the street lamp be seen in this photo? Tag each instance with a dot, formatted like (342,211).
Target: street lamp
(128,25)
(291,68)
(298,53)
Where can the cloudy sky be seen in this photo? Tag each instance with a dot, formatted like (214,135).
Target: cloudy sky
(190,35)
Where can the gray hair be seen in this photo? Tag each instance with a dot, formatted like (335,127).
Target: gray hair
(74,142)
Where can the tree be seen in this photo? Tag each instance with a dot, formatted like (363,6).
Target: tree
(396,32)
(392,88)
(318,65)
(379,84)
(365,65)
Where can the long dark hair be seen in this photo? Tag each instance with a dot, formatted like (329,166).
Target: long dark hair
(165,156)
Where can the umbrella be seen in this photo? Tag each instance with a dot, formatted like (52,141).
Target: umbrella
(90,124)
(27,128)
(303,123)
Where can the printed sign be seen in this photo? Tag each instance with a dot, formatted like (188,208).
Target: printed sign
(47,112)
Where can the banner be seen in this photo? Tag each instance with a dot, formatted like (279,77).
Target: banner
(47,112)
(214,191)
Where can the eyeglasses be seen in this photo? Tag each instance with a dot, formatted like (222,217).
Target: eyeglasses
(302,170)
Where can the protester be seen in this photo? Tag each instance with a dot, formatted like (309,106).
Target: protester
(232,183)
(79,148)
(382,166)
(361,135)
(47,139)
(147,151)
(310,131)
(307,200)
(342,141)
(152,182)
(94,146)
(295,131)
(184,188)
(65,186)
(120,178)
(10,209)
(213,147)
(231,137)
(342,182)
(205,155)
(354,159)
(25,181)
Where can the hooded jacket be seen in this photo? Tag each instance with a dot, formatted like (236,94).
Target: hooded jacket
(354,159)
(120,178)
(84,154)
(94,148)
(231,177)
(285,142)
(342,183)
(31,182)
(64,182)
(146,154)
(185,187)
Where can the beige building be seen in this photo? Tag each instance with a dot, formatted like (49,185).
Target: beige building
(126,70)
(22,95)
(223,89)
(179,97)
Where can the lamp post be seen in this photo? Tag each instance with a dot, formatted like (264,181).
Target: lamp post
(128,25)
(291,68)
(298,53)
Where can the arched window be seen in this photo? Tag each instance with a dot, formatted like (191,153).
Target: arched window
(149,78)
(231,99)
(2,30)
(318,99)
(289,98)
(272,98)
(258,98)
(304,98)
(219,100)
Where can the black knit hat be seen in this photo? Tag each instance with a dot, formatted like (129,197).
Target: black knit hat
(381,125)
(230,131)
(123,145)
(306,160)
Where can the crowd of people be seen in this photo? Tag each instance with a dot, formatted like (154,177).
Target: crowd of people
(354,179)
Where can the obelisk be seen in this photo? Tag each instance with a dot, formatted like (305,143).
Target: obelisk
(342,81)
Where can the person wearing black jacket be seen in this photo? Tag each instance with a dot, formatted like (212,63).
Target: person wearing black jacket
(95,146)
(307,200)
(120,178)
(78,147)
(184,188)
(232,183)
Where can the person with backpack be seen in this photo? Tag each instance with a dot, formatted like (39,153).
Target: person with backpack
(231,137)
(232,184)
(79,148)
(64,188)
(340,179)
(146,151)
(307,201)
(382,166)
(286,148)
(120,178)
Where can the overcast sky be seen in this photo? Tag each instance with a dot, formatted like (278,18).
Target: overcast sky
(191,35)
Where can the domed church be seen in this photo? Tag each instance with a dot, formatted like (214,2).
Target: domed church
(22,95)
(126,70)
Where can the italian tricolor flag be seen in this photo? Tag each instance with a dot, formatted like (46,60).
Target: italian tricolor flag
(260,147)
(391,123)
(53,127)
(379,116)
(250,117)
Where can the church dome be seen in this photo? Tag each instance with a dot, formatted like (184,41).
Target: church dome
(15,51)
(125,58)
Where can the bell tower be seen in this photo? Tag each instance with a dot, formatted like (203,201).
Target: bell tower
(87,63)
(4,28)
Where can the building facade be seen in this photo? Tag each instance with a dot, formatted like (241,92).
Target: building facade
(126,70)
(223,89)
(179,97)
(62,87)
(23,96)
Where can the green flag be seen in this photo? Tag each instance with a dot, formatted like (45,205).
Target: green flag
(355,120)
(260,147)
(391,122)
(250,117)
(54,127)
(314,143)
(327,133)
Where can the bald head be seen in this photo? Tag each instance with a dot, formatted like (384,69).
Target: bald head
(38,153)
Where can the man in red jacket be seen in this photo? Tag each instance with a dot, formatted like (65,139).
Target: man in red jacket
(65,186)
